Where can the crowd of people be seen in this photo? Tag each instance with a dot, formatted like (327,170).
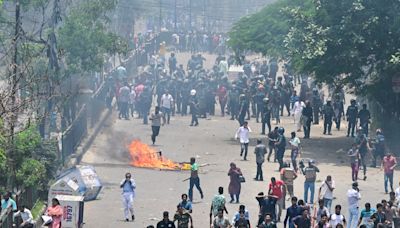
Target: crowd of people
(259,93)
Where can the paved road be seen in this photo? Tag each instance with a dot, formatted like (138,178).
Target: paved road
(212,142)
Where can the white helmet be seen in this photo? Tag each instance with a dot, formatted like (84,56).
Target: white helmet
(192,92)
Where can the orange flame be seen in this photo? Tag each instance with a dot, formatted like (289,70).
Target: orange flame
(145,156)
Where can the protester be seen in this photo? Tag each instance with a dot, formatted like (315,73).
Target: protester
(182,218)
(218,202)
(156,123)
(194,179)
(337,218)
(8,202)
(260,151)
(297,111)
(322,210)
(302,220)
(295,146)
(165,222)
(310,173)
(365,216)
(241,218)
(26,217)
(185,204)
(243,134)
(326,192)
(292,212)
(56,213)
(353,198)
(128,186)
(277,188)
(288,175)
(379,217)
(324,222)
(354,161)
(220,221)
(268,222)
(167,103)
(235,182)
(389,162)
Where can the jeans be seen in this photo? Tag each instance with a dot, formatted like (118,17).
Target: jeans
(156,131)
(194,120)
(350,127)
(309,186)
(268,123)
(328,204)
(353,217)
(293,157)
(388,177)
(259,175)
(279,156)
(244,147)
(166,112)
(327,125)
(194,181)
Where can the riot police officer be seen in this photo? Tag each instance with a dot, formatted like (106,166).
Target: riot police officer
(351,114)
(266,116)
(328,116)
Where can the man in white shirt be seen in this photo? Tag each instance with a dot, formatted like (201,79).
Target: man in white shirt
(26,217)
(243,134)
(353,198)
(128,186)
(326,192)
(397,192)
(297,110)
(167,103)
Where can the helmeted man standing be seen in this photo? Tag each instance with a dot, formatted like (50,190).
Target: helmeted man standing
(364,116)
(128,186)
(328,116)
(266,116)
(260,152)
(351,115)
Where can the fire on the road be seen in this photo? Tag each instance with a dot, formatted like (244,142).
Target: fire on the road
(145,156)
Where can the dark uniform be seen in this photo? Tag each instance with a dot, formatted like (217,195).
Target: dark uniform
(351,115)
(328,116)
(266,116)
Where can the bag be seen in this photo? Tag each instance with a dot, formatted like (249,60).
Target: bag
(47,220)
(242,179)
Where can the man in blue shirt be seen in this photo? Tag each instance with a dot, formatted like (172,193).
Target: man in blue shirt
(128,186)
(8,202)
(185,204)
(292,212)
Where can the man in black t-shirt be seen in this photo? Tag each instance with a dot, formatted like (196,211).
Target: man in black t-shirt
(165,223)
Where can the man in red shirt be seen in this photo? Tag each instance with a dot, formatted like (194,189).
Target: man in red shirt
(388,164)
(277,188)
(222,98)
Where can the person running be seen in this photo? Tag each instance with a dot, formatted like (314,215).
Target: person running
(260,152)
(277,188)
(389,162)
(243,134)
(182,218)
(128,186)
(235,183)
(165,222)
(194,179)
(295,146)
(156,123)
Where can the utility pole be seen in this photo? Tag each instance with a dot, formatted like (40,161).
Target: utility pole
(160,22)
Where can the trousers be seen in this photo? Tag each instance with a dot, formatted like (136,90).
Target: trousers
(127,201)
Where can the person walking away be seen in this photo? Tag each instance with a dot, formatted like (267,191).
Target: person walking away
(124,97)
(156,123)
(365,116)
(379,147)
(266,116)
(338,108)
(243,107)
(280,147)
(26,217)
(351,115)
(235,183)
(128,186)
(365,216)
(243,134)
(222,98)
(220,221)
(288,175)
(295,146)
(243,216)
(316,105)
(194,179)
(182,218)
(328,116)
(277,188)
(310,174)
(260,152)
(337,218)
(326,192)
(56,213)
(389,162)
(167,102)
(354,161)
(272,138)
(297,110)
(363,148)
(259,102)
(322,210)
(353,199)
(307,116)
(292,212)
(185,204)
(165,222)
(218,203)
(194,108)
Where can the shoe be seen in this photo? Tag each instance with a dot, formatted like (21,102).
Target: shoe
(231,201)
(201,195)
(133,217)
(241,154)
(255,179)
(126,220)
(329,133)
(197,124)
(365,178)
(191,125)
(245,159)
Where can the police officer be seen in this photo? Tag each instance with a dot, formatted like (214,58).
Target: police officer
(351,114)
(379,147)
(266,116)
(364,116)
(338,108)
(233,102)
(280,146)
(316,105)
(194,106)
(328,116)
(259,101)
(243,107)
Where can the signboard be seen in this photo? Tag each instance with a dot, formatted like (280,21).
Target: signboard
(396,83)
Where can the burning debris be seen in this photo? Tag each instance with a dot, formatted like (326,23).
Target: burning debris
(145,156)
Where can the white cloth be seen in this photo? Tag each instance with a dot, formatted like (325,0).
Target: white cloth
(166,101)
(295,142)
(297,110)
(397,192)
(353,197)
(336,219)
(127,200)
(26,216)
(325,191)
(243,134)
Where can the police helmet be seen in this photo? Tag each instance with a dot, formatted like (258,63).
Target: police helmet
(192,92)
(241,96)
(281,130)
(266,99)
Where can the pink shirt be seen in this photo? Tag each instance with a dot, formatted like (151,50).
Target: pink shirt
(388,163)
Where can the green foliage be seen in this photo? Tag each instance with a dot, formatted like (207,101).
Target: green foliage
(31,173)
